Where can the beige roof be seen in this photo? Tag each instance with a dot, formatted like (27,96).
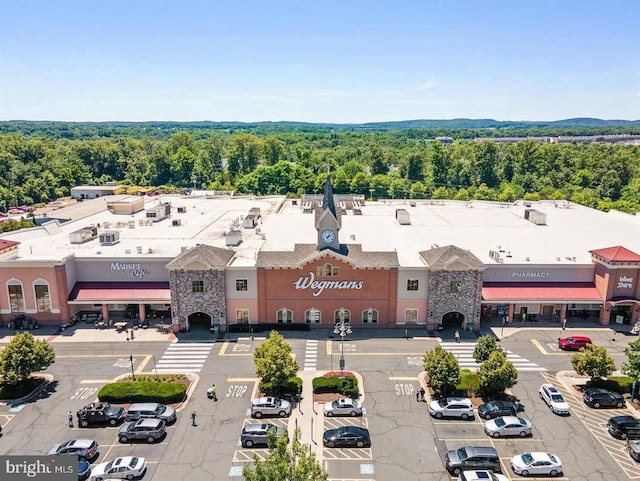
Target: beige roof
(445,257)
(209,256)
(306,253)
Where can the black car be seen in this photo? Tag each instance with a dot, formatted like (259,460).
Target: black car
(601,398)
(624,427)
(347,436)
(496,409)
(100,413)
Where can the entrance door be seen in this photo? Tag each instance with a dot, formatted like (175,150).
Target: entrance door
(199,321)
(453,320)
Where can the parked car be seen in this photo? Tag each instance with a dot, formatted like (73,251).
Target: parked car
(549,394)
(470,458)
(456,407)
(481,476)
(127,467)
(508,426)
(85,449)
(343,407)
(573,343)
(496,409)
(100,413)
(536,464)
(624,427)
(270,406)
(151,429)
(258,434)
(151,410)
(347,436)
(84,470)
(601,398)
(633,448)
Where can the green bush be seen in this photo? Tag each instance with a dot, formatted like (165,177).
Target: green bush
(291,388)
(19,389)
(469,383)
(143,391)
(621,384)
(345,385)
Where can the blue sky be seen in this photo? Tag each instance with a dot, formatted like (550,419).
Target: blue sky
(319,61)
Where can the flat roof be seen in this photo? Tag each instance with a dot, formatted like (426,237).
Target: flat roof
(570,231)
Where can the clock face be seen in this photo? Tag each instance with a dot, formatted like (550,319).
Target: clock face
(328,236)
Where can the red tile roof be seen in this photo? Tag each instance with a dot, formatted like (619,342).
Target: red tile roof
(616,254)
(7,244)
(123,292)
(541,291)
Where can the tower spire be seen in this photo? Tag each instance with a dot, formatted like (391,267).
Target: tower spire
(327,198)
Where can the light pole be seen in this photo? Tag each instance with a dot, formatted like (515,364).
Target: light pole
(132,373)
(342,328)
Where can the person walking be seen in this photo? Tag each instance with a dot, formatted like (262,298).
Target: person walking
(564,323)
(70,418)
(457,336)
(193,418)
(422,392)
(213,392)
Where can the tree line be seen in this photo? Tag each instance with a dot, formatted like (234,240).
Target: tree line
(408,164)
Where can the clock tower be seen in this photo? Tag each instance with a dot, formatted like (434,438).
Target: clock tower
(328,220)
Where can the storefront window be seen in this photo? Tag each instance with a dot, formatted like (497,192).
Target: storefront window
(284,316)
(16,298)
(312,316)
(411,316)
(43,299)
(242,316)
(369,316)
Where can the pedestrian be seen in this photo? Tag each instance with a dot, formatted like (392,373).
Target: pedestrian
(524,316)
(422,391)
(193,418)
(564,323)
(213,392)
(132,334)
(70,418)
(457,336)
(418,396)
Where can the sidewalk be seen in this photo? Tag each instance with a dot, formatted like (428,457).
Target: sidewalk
(88,333)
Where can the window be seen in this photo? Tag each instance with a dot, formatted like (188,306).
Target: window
(197,286)
(327,270)
(312,316)
(242,285)
(341,315)
(16,298)
(242,316)
(455,286)
(370,316)
(284,316)
(411,316)
(412,284)
(43,299)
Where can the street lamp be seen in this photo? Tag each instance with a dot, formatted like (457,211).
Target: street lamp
(132,373)
(342,328)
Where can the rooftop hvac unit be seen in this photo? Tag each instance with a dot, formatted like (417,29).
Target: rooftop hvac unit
(141,222)
(132,224)
(175,222)
(127,251)
(182,210)
(106,225)
(139,249)
(109,238)
(149,250)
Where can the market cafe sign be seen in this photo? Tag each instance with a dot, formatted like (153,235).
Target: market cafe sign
(309,282)
(625,282)
(136,270)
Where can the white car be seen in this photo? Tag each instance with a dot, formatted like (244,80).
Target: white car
(343,407)
(481,476)
(127,467)
(549,394)
(455,407)
(536,463)
(507,426)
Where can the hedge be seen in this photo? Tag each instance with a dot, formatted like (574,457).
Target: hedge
(345,385)
(291,388)
(621,384)
(143,391)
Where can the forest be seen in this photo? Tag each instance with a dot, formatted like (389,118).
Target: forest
(41,161)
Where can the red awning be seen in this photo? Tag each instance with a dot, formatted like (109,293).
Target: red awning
(120,292)
(541,291)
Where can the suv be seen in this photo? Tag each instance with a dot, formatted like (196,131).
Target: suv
(270,406)
(100,413)
(472,458)
(481,476)
(549,394)
(601,398)
(85,449)
(624,427)
(457,407)
(496,409)
(151,429)
(253,434)
(573,343)
(151,410)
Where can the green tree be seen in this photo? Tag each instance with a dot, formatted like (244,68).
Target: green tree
(282,463)
(273,360)
(496,374)
(484,347)
(593,361)
(631,368)
(273,150)
(23,356)
(442,369)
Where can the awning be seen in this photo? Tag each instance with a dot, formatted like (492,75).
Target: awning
(120,293)
(556,292)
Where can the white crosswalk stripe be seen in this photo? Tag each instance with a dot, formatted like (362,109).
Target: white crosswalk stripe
(463,352)
(311,355)
(184,357)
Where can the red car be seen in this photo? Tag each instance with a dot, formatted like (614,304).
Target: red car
(573,343)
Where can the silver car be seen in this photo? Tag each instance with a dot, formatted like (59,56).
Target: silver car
(270,406)
(150,429)
(343,407)
(258,434)
(85,449)
(508,426)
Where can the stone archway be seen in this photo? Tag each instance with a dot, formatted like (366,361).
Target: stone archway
(453,320)
(199,321)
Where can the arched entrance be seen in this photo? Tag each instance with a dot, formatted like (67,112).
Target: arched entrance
(453,319)
(200,322)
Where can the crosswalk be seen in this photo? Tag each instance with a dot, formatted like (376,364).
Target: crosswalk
(311,355)
(463,352)
(184,357)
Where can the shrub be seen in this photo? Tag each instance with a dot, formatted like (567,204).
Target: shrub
(143,391)
(347,385)
(621,384)
(469,383)
(289,388)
